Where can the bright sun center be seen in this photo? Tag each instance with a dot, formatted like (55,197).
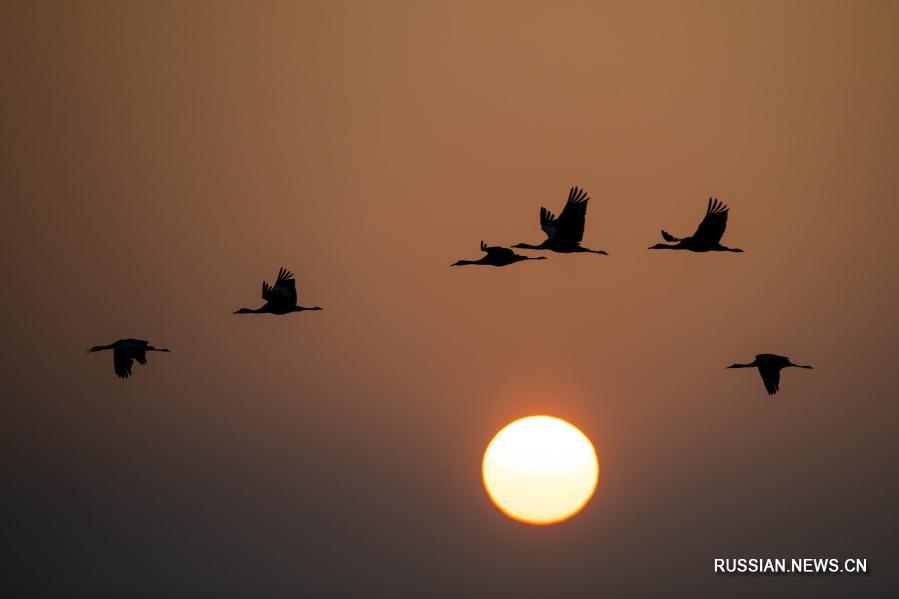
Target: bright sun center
(540,470)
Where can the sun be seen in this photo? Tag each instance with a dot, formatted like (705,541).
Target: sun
(540,470)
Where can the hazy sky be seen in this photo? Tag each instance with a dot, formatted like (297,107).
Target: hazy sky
(160,160)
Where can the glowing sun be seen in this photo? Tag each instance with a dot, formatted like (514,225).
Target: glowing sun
(540,470)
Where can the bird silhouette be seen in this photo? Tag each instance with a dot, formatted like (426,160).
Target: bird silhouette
(769,366)
(497,256)
(280,298)
(125,352)
(564,232)
(707,237)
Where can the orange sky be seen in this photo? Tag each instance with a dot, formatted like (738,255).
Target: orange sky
(160,161)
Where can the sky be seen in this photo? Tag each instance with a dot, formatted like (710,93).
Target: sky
(159,160)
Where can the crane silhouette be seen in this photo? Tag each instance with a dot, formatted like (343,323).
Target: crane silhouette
(280,298)
(564,232)
(707,237)
(497,256)
(769,366)
(125,352)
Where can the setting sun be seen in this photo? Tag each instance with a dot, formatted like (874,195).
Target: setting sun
(540,470)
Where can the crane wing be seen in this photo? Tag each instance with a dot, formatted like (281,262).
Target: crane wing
(496,250)
(283,292)
(771,377)
(548,222)
(568,227)
(711,229)
(121,362)
(140,355)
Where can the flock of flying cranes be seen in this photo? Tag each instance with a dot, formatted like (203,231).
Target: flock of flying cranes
(563,234)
